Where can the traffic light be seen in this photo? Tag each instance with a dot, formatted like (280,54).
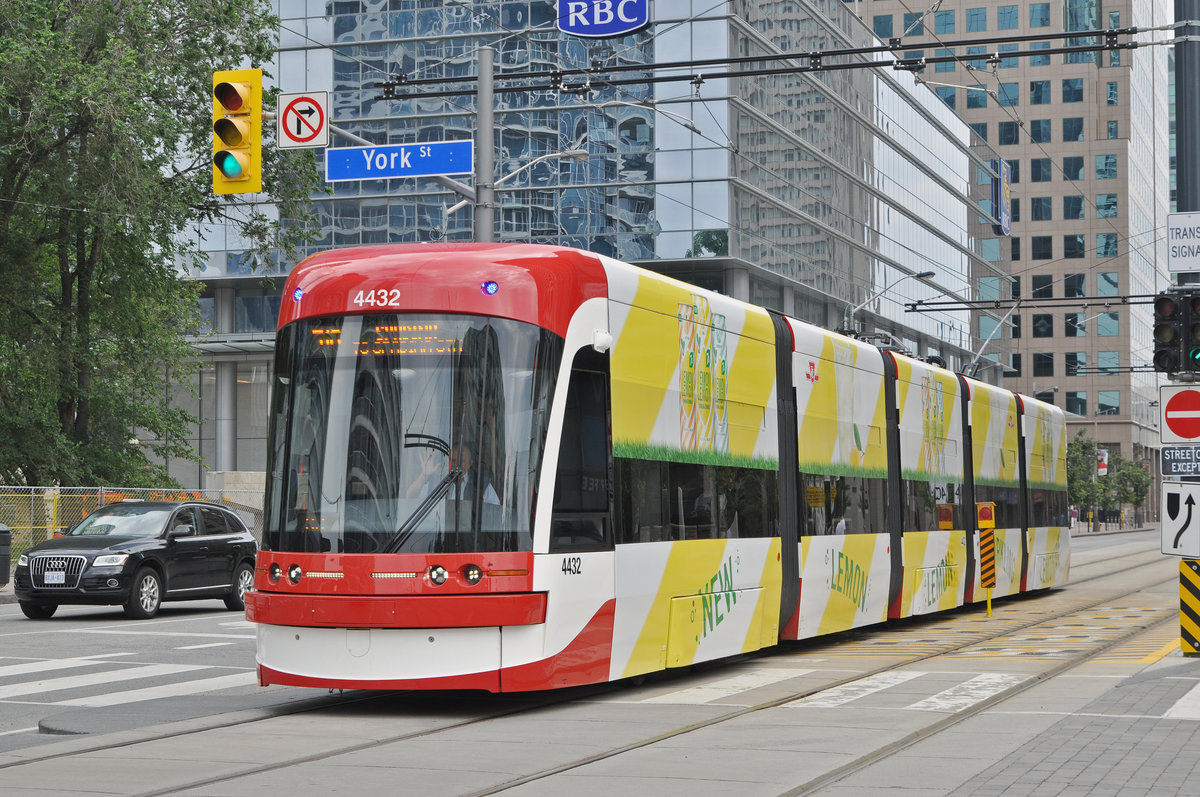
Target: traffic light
(1168,332)
(1191,332)
(237,131)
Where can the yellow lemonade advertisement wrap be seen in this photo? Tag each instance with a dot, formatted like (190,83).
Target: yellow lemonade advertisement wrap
(840,403)
(693,374)
(994,436)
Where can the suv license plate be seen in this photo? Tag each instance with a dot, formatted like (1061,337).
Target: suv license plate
(55,577)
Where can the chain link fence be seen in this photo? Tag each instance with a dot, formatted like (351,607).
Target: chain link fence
(34,514)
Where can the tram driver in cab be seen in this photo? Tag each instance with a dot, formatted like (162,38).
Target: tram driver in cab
(433,471)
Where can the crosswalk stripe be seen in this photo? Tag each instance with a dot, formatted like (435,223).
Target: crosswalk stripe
(968,693)
(92,679)
(165,690)
(125,632)
(45,665)
(706,693)
(840,695)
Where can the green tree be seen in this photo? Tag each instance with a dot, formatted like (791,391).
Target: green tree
(709,242)
(1083,489)
(1127,481)
(105,148)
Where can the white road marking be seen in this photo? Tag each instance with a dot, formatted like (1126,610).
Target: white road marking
(165,690)
(206,645)
(34,729)
(92,679)
(1186,707)
(840,695)
(706,693)
(45,665)
(164,633)
(968,693)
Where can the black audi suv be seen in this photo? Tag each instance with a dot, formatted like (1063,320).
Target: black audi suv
(138,554)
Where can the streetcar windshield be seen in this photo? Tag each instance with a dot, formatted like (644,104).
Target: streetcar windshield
(402,432)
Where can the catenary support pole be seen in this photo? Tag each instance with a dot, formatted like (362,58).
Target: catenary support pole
(485,169)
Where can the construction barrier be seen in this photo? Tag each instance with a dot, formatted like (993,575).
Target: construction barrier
(34,514)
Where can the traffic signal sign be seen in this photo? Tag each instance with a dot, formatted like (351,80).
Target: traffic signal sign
(1168,332)
(237,131)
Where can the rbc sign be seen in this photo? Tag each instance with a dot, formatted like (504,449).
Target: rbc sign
(602,18)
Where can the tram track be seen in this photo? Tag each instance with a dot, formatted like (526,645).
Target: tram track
(517,705)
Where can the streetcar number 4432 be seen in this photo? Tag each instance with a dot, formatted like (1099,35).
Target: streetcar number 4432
(572,565)
(381,297)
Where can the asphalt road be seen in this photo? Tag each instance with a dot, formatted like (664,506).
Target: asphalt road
(90,669)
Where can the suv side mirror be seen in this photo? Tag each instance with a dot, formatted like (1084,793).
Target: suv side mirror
(183,530)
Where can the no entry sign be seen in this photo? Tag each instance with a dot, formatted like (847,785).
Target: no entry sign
(1180,407)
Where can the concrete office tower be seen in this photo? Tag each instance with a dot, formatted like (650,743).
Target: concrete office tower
(807,192)
(1087,135)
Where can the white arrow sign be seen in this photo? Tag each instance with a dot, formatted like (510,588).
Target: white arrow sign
(1180,519)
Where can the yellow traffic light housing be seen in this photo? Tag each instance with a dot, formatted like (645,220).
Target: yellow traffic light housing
(237,131)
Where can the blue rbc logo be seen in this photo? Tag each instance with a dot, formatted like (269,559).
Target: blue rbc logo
(602,18)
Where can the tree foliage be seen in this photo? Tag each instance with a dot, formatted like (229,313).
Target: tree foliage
(1127,481)
(105,150)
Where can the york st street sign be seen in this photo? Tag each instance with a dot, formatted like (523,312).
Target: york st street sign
(399,160)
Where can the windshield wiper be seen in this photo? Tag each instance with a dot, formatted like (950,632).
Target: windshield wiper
(435,496)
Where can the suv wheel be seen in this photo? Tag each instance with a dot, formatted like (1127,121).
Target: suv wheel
(243,579)
(145,596)
(38,611)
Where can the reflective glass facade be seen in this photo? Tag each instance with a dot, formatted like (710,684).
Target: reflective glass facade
(810,192)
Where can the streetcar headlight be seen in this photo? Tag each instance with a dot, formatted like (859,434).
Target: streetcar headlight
(294,573)
(275,572)
(437,574)
(472,574)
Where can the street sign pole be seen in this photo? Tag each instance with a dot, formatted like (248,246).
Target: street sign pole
(485,167)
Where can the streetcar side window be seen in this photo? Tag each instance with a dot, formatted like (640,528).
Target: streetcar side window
(932,506)
(842,504)
(688,501)
(1007,501)
(1047,507)
(583,484)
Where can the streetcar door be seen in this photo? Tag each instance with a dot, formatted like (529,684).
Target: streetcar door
(580,572)
(582,513)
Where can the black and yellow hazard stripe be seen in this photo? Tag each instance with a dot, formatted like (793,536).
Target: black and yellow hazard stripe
(1189,607)
(987,559)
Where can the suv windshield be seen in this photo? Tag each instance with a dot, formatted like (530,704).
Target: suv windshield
(123,520)
(401,432)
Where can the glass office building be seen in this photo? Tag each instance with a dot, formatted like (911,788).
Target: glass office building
(809,191)
(1087,133)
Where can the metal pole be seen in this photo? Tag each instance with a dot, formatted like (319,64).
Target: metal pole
(1187,108)
(485,169)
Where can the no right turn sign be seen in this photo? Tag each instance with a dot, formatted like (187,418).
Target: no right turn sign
(303,121)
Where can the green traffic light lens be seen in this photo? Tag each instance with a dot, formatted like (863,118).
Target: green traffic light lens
(227,165)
